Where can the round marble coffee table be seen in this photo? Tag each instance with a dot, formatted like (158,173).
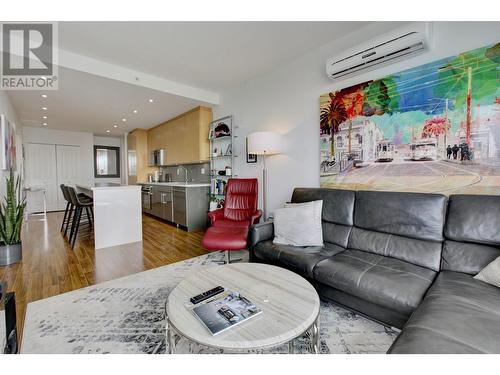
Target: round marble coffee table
(289,304)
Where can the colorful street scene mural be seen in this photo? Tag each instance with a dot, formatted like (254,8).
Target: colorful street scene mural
(433,128)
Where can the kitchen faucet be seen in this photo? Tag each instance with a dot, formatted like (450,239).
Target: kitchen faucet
(185,171)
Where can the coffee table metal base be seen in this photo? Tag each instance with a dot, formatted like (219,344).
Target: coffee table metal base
(312,334)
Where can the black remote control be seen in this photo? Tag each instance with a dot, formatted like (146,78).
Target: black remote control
(206,295)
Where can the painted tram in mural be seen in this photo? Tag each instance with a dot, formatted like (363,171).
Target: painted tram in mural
(385,151)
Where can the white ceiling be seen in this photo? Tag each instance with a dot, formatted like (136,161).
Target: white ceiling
(205,55)
(209,55)
(85,102)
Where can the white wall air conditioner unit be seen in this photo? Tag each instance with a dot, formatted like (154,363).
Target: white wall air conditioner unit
(389,48)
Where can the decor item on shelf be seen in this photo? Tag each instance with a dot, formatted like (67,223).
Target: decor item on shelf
(251,158)
(221,173)
(222,130)
(444,114)
(214,204)
(228,150)
(264,143)
(214,153)
(11,221)
(228,171)
(220,203)
(221,185)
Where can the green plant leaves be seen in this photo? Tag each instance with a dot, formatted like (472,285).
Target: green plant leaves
(12,211)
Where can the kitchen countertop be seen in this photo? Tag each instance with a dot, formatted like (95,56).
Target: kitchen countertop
(177,184)
(102,185)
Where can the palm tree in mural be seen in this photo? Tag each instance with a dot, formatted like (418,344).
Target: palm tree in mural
(469,74)
(435,127)
(353,103)
(331,117)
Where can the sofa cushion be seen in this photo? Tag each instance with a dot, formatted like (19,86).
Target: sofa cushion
(385,281)
(471,231)
(474,218)
(458,315)
(466,257)
(415,215)
(301,259)
(422,253)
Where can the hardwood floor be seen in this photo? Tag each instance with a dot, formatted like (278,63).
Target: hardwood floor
(50,267)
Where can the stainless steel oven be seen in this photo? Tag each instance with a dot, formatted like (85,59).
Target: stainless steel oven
(147,198)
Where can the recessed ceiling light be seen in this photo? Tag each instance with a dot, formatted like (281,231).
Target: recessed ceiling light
(44,124)
(124,119)
(115,126)
(135,111)
(44,108)
(44,95)
(151,100)
(44,117)
(108,131)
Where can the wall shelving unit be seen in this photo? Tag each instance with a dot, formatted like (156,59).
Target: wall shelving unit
(222,155)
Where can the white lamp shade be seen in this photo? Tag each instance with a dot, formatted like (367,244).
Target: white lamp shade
(268,143)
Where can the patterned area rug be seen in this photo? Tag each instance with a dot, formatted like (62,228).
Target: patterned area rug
(127,316)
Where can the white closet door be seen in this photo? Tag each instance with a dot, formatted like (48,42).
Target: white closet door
(41,171)
(68,169)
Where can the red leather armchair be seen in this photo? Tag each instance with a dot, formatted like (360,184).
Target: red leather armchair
(240,207)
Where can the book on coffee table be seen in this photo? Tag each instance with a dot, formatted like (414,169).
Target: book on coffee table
(225,311)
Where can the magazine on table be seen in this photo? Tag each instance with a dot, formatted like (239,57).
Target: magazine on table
(225,311)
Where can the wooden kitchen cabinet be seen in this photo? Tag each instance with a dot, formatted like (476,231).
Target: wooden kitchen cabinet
(184,138)
(137,156)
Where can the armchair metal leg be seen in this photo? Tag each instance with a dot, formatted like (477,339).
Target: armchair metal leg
(227,258)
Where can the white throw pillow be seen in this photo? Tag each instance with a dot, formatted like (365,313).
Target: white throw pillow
(491,273)
(318,211)
(299,224)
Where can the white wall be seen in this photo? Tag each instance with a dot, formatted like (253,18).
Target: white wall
(114,142)
(7,109)
(286,100)
(62,137)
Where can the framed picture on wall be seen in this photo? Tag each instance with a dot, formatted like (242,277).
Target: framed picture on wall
(251,158)
(8,144)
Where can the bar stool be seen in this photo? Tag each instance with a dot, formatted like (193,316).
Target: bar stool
(78,204)
(68,211)
(43,191)
(70,207)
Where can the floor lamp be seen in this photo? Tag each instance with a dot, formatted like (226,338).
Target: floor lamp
(264,143)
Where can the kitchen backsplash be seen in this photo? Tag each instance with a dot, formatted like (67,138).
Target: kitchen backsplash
(194,172)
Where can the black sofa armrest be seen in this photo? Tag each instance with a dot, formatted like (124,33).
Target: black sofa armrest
(260,232)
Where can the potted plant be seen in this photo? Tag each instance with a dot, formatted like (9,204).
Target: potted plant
(11,220)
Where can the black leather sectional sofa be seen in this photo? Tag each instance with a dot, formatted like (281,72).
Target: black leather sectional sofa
(406,260)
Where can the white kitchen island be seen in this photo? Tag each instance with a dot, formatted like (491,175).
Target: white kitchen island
(117,213)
